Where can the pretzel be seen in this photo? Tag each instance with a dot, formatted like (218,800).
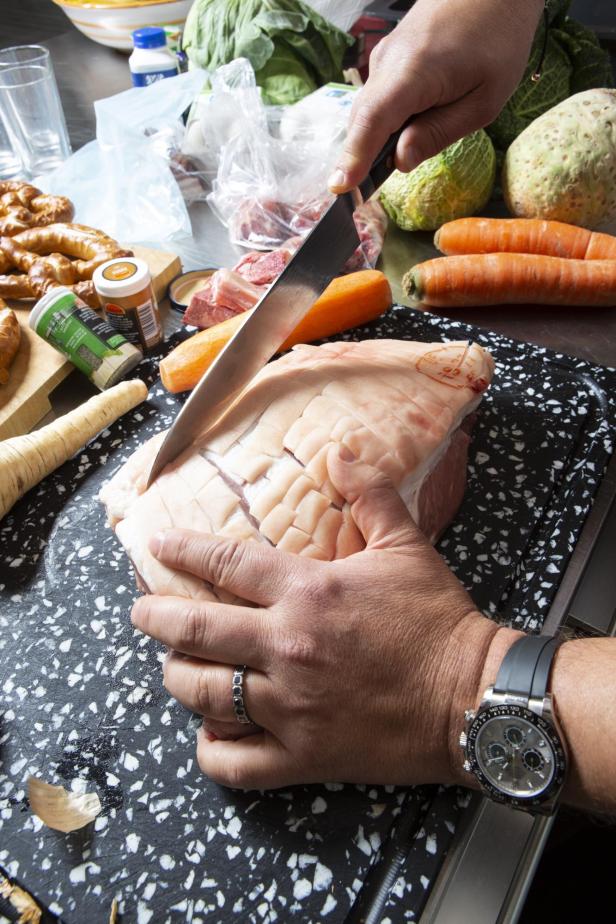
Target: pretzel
(23,206)
(10,335)
(60,254)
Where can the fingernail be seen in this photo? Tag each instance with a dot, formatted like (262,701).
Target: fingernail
(211,736)
(337,179)
(346,454)
(156,543)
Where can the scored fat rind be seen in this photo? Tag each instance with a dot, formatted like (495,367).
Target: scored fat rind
(262,475)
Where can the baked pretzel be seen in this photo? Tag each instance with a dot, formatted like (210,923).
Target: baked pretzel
(23,206)
(58,255)
(10,335)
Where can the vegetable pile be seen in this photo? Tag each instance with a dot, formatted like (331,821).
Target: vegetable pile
(556,264)
(292,49)
(573,61)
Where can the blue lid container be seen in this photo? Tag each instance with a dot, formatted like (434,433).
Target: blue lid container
(149,37)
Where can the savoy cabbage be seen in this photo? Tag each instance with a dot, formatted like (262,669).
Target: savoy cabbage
(573,61)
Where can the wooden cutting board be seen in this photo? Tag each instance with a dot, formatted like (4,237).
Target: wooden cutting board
(38,368)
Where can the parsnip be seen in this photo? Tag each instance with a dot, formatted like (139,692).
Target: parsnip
(26,460)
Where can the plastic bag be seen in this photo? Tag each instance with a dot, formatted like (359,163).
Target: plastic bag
(342,13)
(124,182)
(220,115)
(271,182)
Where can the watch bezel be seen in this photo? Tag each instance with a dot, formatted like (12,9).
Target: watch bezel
(512,710)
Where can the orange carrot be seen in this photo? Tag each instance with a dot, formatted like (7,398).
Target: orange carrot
(512,278)
(347,302)
(524,235)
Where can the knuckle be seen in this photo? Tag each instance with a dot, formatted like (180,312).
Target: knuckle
(299,650)
(368,118)
(377,55)
(184,544)
(191,630)
(223,561)
(321,589)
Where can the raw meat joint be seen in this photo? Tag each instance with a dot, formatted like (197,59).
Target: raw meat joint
(262,473)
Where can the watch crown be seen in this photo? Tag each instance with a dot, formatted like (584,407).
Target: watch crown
(467,766)
(463,739)
(469,715)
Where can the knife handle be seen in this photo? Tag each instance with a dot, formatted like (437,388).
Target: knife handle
(383,165)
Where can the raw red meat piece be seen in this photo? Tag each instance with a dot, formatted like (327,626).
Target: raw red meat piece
(201,307)
(231,290)
(262,268)
(225,294)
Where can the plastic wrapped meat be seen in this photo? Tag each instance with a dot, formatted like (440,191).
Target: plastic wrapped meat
(261,474)
(230,292)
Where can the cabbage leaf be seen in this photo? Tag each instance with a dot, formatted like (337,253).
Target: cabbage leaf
(292,49)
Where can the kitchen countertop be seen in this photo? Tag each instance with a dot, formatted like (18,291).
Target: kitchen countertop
(87,71)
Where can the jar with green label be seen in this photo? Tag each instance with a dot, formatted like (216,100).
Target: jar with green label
(95,348)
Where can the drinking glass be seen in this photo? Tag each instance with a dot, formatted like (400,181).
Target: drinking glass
(25,54)
(30,105)
(11,166)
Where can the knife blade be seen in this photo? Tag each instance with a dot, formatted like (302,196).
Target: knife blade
(317,261)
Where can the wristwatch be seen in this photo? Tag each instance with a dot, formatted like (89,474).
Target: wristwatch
(512,743)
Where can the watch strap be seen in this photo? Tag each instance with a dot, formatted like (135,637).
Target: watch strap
(525,669)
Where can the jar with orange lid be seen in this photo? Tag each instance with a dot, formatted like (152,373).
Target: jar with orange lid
(124,287)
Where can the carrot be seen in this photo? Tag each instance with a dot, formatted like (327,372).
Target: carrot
(26,460)
(347,302)
(524,235)
(511,278)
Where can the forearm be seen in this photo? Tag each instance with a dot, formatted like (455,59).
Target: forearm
(583,685)
(584,689)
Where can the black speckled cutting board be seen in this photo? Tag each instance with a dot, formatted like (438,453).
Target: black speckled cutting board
(81,695)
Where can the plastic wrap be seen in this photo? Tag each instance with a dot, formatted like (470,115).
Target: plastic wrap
(132,181)
(343,13)
(271,181)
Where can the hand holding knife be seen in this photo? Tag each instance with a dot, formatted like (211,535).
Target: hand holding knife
(319,259)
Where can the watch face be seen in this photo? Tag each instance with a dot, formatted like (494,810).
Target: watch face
(515,753)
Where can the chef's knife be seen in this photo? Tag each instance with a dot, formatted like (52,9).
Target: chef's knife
(317,261)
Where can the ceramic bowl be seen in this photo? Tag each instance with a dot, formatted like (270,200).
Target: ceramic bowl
(112,23)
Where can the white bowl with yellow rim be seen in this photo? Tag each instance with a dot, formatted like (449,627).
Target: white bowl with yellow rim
(111,22)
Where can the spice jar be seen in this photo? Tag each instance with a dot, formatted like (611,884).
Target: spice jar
(95,348)
(124,287)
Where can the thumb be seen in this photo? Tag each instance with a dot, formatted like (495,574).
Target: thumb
(376,506)
(437,128)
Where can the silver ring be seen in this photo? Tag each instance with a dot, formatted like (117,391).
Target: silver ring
(237,695)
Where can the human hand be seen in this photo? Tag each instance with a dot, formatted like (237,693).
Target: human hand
(359,670)
(449,64)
